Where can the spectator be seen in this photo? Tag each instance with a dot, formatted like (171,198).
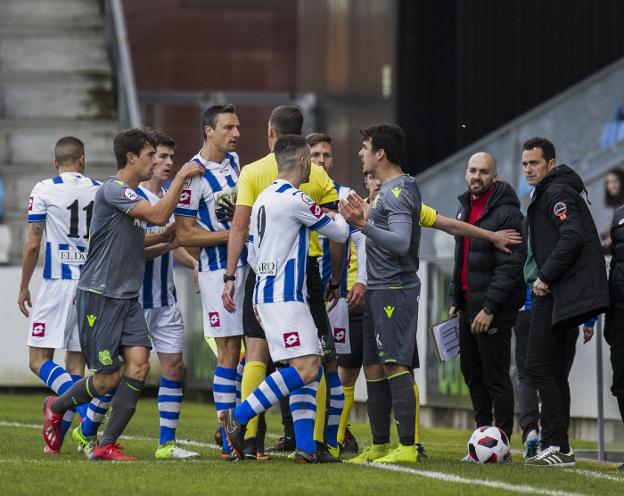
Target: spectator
(614,199)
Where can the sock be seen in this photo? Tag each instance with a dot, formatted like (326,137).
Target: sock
(379,406)
(123,404)
(169,405)
(224,391)
(253,375)
(80,392)
(95,413)
(321,410)
(66,423)
(336,404)
(417,437)
(404,406)
(280,383)
(55,377)
(287,418)
(81,410)
(349,396)
(303,409)
(239,378)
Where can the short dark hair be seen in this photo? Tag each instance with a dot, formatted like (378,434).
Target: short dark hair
(161,139)
(68,150)
(316,138)
(130,141)
(287,147)
(286,119)
(548,149)
(386,137)
(211,115)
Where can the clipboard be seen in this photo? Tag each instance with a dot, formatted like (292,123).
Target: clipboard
(446,338)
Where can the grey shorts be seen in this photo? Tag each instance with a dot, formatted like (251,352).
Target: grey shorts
(390,330)
(107,324)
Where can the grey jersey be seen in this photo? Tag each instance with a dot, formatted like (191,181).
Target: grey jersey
(398,201)
(115,263)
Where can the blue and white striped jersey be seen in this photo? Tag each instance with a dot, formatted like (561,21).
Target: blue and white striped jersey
(158,286)
(198,199)
(65,204)
(325,265)
(281,220)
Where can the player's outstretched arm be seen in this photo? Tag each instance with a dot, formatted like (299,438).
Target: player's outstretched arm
(160,213)
(188,233)
(30,255)
(500,239)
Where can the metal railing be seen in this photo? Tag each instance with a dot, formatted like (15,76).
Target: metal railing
(116,37)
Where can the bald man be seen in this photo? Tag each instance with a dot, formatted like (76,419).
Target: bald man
(487,291)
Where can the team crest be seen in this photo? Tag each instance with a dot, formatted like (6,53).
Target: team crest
(291,339)
(105,358)
(306,199)
(130,195)
(185,197)
(340,335)
(560,210)
(38,329)
(214,319)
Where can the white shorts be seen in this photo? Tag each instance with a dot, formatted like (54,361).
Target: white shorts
(218,322)
(53,322)
(339,320)
(166,328)
(290,330)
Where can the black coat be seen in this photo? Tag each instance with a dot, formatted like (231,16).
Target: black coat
(616,274)
(495,279)
(567,249)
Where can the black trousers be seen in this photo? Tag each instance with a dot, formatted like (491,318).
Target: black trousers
(550,355)
(485,360)
(614,335)
(527,394)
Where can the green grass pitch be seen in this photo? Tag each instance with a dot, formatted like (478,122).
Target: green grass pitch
(24,469)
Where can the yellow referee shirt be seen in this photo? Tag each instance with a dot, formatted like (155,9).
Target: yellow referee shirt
(258,175)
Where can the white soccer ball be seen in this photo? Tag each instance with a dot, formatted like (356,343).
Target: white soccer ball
(488,445)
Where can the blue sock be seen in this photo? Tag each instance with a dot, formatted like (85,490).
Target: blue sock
(58,380)
(95,413)
(239,379)
(278,385)
(336,404)
(303,409)
(169,405)
(224,391)
(80,409)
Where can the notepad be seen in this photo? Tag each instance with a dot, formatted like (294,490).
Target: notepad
(446,339)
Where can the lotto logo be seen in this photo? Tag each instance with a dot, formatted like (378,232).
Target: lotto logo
(291,339)
(340,335)
(185,197)
(30,203)
(38,329)
(316,211)
(214,319)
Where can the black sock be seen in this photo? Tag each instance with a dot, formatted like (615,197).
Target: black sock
(287,420)
(123,407)
(379,406)
(80,393)
(404,406)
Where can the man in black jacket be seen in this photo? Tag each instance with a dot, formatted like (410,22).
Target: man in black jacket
(488,290)
(565,260)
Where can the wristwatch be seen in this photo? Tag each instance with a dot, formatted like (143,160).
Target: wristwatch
(334,286)
(227,278)
(487,311)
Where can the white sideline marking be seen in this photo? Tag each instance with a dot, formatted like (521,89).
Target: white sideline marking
(441,476)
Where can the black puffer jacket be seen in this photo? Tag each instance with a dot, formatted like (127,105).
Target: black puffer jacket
(567,249)
(495,279)
(616,274)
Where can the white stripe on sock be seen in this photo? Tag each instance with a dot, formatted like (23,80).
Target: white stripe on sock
(59,381)
(223,381)
(268,393)
(255,404)
(171,423)
(169,406)
(165,391)
(279,380)
(302,398)
(303,415)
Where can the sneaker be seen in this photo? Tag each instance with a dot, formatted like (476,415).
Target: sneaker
(323,454)
(421,451)
(552,457)
(234,432)
(171,451)
(468,459)
(401,454)
(285,444)
(85,444)
(111,453)
(531,444)
(350,444)
(218,437)
(507,459)
(302,457)
(335,452)
(52,423)
(48,451)
(371,453)
(249,448)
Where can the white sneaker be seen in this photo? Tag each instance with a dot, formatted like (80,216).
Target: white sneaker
(171,451)
(468,459)
(531,444)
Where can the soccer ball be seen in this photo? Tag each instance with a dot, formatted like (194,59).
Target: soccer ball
(488,445)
